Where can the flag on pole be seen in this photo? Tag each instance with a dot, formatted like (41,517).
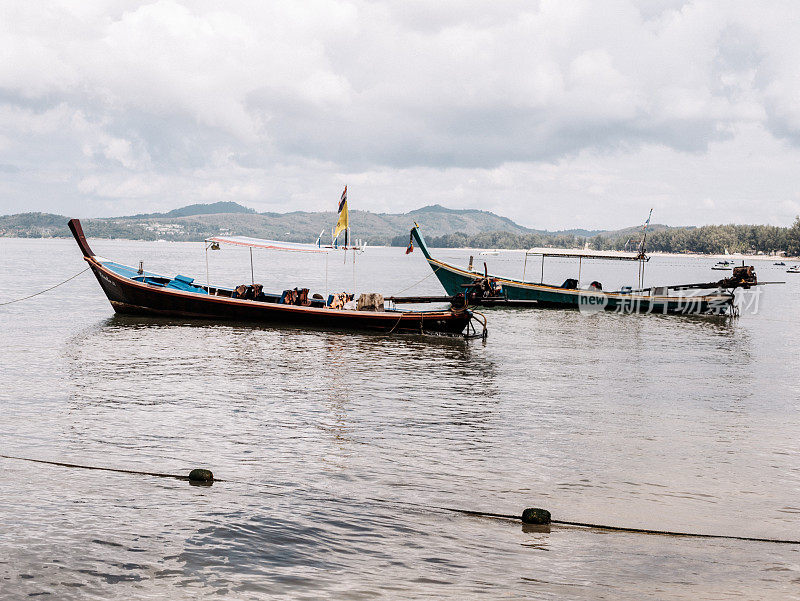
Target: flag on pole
(344,220)
(644,233)
(410,248)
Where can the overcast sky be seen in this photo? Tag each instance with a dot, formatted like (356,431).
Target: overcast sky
(557,114)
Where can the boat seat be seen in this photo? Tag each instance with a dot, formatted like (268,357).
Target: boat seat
(570,284)
(182,282)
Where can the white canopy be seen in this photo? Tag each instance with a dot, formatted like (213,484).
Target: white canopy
(268,244)
(577,254)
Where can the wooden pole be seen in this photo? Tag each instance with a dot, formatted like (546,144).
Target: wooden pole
(252,277)
(641,278)
(208,283)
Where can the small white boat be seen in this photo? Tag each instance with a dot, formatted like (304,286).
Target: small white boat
(493,253)
(793,269)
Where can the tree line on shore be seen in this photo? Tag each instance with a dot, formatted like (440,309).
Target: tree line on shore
(707,239)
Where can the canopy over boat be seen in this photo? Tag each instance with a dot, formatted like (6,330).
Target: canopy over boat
(268,244)
(343,225)
(573,254)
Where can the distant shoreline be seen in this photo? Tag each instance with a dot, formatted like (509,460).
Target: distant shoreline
(730,257)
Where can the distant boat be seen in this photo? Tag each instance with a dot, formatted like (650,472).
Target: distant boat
(723,266)
(493,253)
(780,264)
(139,292)
(793,269)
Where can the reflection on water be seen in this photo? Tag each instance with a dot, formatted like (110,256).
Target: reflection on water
(329,439)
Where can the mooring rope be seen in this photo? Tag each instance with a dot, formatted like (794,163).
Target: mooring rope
(625,528)
(671,533)
(103,469)
(434,269)
(395,325)
(45,290)
(203,476)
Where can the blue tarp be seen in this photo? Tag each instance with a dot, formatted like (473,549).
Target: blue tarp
(182,282)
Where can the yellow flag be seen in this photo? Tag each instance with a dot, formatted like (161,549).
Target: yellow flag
(344,221)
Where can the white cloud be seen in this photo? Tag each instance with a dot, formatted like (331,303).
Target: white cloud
(558,114)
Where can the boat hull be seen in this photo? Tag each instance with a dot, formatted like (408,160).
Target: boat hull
(514,292)
(132,297)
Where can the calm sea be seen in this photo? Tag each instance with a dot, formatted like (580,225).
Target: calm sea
(337,446)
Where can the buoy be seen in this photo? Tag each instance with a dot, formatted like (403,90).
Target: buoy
(534,515)
(201,476)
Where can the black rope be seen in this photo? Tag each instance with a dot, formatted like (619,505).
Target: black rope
(423,506)
(671,533)
(45,290)
(624,528)
(104,469)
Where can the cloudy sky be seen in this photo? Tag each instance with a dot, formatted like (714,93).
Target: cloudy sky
(555,113)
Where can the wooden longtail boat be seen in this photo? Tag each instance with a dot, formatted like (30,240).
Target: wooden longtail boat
(135,291)
(712,298)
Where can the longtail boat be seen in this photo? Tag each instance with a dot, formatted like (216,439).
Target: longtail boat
(139,292)
(710,298)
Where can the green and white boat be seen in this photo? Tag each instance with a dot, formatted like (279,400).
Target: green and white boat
(712,298)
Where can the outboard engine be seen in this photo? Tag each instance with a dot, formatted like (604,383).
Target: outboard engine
(743,276)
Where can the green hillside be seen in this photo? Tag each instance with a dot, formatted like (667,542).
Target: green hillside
(442,227)
(197,222)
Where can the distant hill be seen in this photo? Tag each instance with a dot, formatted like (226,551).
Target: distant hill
(470,221)
(635,231)
(200,221)
(34,225)
(198,209)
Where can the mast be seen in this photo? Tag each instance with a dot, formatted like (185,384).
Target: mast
(642,249)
